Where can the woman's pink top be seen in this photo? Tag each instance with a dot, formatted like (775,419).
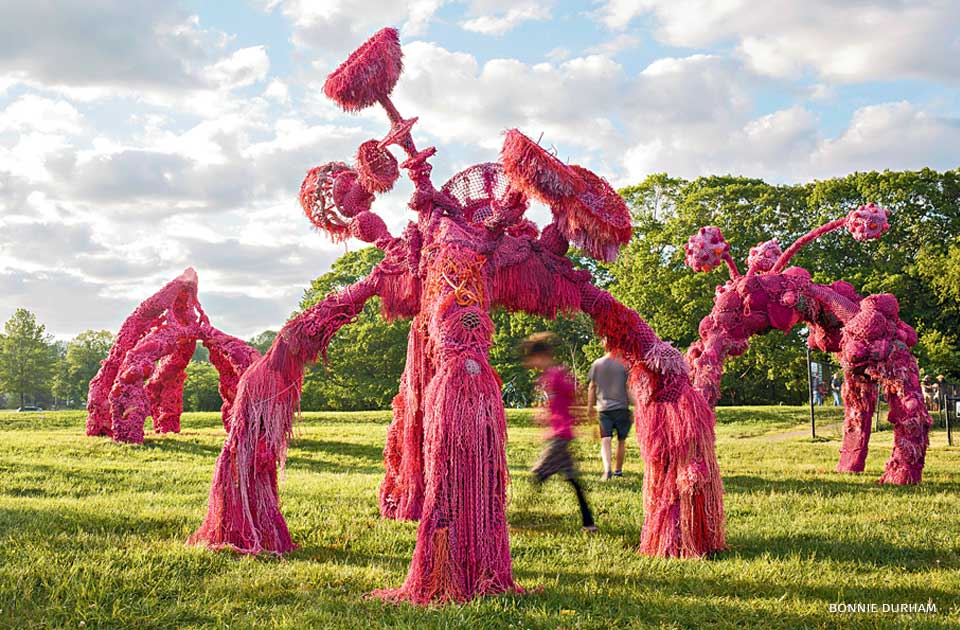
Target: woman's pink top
(558,384)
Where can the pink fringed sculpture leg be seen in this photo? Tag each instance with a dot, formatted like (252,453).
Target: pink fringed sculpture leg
(243,512)
(244,509)
(401,493)
(860,401)
(682,488)
(910,418)
(462,547)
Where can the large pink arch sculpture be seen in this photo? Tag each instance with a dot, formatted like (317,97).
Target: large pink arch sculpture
(470,250)
(155,345)
(866,333)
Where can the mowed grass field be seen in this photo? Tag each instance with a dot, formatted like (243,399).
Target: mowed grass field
(92,535)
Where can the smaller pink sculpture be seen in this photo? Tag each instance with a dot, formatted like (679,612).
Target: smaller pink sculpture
(145,371)
(866,333)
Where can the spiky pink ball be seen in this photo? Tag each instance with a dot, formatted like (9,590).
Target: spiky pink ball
(705,249)
(368,74)
(764,256)
(868,222)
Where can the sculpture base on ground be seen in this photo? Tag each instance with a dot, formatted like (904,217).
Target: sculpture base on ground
(682,489)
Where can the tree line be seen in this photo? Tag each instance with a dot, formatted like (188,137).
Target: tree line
(918,260)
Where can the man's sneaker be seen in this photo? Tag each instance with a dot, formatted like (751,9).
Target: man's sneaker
(605,476)
(618,473)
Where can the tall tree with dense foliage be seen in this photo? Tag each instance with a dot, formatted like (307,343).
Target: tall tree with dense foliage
(650,275)
(79,364)
(364,359)
(27,358)
(201,389)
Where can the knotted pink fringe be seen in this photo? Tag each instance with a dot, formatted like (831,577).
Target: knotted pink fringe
(243,512)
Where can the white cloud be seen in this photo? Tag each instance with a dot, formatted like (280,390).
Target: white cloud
(339,26)
(244,67)
(894,136)
(498,24)
(838,40)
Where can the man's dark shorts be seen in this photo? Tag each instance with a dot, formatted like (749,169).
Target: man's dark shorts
(615,420)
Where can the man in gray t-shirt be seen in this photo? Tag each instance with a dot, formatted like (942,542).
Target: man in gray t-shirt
(607,394)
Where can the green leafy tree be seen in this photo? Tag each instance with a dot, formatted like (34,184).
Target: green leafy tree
(27,358)
(263,341)
(79,364)
(365,358)
(201,389)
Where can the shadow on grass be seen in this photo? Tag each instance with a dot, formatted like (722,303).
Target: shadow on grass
(370,457)
(63,520)
(831,485)
(868,551)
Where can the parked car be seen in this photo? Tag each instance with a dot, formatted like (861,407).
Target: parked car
(30,408)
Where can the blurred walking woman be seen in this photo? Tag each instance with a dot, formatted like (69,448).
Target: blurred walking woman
(537,352)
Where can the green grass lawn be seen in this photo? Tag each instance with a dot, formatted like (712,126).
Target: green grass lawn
(91,535)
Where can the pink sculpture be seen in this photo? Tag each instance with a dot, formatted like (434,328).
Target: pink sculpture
(471,249)
(866,333)
(154,345)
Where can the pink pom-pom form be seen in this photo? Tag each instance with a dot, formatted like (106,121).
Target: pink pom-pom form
(705,249)
(868,222)
(368,74)
(764,256)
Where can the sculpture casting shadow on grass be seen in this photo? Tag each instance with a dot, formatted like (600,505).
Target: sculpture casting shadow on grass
(470,250)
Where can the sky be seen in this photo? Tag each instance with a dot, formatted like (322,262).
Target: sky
(138,138)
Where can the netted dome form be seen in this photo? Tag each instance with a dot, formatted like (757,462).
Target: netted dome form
(330,195)
(479,190)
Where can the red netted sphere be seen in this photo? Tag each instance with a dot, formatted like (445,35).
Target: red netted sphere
(377,169)
(764,256)
(368,227)
(368,74)
(330,195)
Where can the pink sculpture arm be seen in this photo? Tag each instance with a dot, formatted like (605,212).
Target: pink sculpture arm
(243,511)
(683,491)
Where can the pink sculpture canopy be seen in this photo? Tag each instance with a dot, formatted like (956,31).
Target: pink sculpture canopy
(866,333)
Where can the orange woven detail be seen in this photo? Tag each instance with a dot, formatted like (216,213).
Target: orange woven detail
(443,584)
(466,280)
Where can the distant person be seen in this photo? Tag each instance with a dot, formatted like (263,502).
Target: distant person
(836,384)
(556,382)
(926,384)
(607,395)
(943,390)
(819,389)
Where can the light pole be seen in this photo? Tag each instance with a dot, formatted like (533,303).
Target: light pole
(804,332)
